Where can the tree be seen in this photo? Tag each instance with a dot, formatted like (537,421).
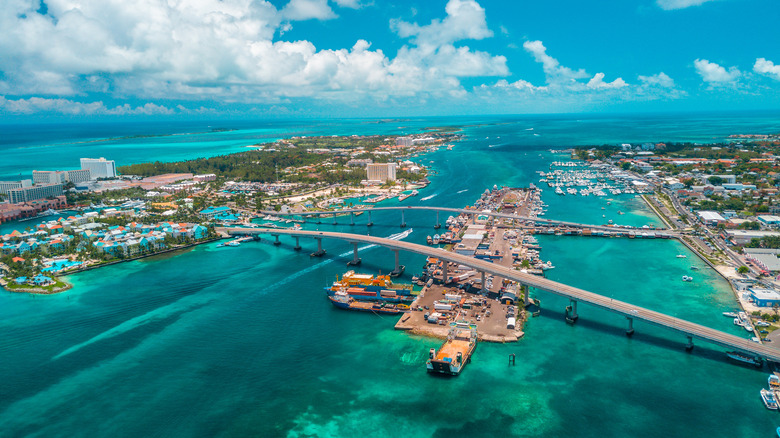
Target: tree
(743,269)
(715,180)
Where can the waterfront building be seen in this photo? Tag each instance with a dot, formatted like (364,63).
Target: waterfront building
(764,297)
(99,167)
(741,237)
(212,212)
(26,194)
(5,186)
(380,172)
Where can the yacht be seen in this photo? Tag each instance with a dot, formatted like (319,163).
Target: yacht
(730,314)
(681,256)
(687,278)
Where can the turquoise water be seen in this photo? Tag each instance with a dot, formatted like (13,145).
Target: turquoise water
(241,341)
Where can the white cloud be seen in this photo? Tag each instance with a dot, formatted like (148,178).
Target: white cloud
(679,4)
(352,4)
(767,68)
(555,72)
(465,20)
(308,10)
(659,79)
(597,82)
(715,74)
(227,50)
(69,107)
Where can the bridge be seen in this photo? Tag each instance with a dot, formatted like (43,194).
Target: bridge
(631,312)
(470,212)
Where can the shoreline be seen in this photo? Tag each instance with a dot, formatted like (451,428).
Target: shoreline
(35,291)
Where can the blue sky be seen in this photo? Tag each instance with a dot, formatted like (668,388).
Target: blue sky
(315,58)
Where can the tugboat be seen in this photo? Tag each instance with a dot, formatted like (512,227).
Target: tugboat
(456,351)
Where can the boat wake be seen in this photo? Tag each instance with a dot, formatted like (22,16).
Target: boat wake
(461,191)
(529,129)
(429,197)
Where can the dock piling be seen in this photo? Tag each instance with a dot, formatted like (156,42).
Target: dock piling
(630,330)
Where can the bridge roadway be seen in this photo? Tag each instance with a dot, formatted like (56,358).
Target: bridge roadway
(630,311)
(458,211)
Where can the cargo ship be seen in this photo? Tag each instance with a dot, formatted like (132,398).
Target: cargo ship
(366,287)
(342,300)
(456,351)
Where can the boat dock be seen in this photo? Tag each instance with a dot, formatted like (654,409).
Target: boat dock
(489,315)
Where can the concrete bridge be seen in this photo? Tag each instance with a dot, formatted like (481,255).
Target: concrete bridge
(472,213)
(631,312)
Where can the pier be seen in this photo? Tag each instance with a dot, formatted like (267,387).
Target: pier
(688,329)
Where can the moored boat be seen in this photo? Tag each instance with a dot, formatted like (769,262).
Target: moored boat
(342,300)
(456,351)
(774,382)
(768,397)
(730,314)
(745,358)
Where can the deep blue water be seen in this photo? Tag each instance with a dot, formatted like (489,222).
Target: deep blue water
(241,341)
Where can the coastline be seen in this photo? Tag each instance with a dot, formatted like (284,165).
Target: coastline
(69,286)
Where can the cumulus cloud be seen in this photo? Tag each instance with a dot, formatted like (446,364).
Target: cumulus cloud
(659,79)
(715,74)
(767,68)
(352,4)
(679,4)
(465,20)
(308,10)
(70,107)
(229,50)
(597,82)
(555,72)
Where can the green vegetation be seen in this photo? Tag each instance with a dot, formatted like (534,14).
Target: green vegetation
(772,242)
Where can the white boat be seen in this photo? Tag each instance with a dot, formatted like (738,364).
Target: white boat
(774,382)
(739,322)
(436,239)
(730,314)
(748,327)
(687,278)
(768,397)
(681,256)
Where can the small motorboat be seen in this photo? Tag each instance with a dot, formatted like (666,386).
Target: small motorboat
(730,314)
(681,256)
(694,268)
(687,278)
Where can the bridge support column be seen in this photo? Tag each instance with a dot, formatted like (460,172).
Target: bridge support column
(444,269)
(484,286)
(277,242)
(473,218)
(352,218)
(399,268)
(438,224)
(355,259)
(571,312)
(689,345)
(630,330)
(403,221)
(297,246)
(334,219)
(320,252)
(525,295)
(370,222)
(319,218)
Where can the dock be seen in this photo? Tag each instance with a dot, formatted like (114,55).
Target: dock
(491,324)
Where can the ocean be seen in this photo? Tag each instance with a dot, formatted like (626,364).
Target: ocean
(242,342)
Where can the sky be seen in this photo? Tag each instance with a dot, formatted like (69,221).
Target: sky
(372,58)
